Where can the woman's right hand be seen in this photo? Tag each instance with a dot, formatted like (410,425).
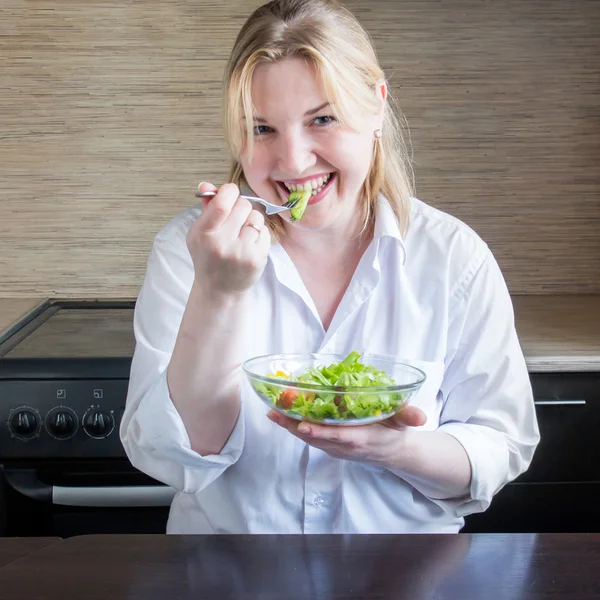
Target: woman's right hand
(228,255)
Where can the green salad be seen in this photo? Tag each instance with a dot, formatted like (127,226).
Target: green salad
(336,404)
(300,198)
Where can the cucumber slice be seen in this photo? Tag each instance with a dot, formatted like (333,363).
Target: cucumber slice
(302,199)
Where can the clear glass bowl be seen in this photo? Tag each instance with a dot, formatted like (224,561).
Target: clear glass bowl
(331,405)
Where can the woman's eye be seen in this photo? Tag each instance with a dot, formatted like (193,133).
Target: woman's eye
(327,120)
(261,129)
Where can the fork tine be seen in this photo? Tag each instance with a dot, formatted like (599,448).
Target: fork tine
(274,210)
(270,209)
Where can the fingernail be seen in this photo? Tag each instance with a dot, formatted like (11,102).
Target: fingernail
(273,417)
(201,183)
(304,428)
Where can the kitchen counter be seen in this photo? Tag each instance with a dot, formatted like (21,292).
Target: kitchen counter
(411,567)
(557,333)
(12,549)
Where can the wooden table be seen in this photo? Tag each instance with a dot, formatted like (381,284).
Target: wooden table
(411,567)
(12,549)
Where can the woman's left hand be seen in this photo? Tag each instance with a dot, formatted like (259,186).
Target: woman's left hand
(377,443)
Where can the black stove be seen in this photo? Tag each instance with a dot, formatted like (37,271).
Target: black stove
(64,372)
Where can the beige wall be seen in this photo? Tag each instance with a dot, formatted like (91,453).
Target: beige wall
(109,117)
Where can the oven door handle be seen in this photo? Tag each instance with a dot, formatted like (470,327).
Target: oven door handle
(26,482)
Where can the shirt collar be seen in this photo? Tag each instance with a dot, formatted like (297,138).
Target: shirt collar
(386,225)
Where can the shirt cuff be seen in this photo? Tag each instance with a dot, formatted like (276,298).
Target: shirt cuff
(158,444)
(488,454)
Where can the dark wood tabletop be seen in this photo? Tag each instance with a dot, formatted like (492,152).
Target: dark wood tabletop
(316,567)
(13,548)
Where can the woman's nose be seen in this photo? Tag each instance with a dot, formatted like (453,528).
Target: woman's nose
(296,154)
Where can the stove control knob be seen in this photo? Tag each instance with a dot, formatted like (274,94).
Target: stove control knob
(61,423)
(98,424)
(24,423)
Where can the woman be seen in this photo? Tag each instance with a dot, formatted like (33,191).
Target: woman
(367,268)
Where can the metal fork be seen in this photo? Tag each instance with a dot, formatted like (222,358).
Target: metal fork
(270,209)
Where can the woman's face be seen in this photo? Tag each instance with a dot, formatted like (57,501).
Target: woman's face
(298,142)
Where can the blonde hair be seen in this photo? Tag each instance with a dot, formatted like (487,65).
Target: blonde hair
(327,34)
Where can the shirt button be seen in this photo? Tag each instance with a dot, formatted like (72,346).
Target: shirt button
(319,501)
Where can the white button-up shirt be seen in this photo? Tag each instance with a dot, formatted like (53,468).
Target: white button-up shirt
(435,299)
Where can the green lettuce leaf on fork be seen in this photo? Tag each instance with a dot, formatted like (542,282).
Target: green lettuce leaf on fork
(301,199)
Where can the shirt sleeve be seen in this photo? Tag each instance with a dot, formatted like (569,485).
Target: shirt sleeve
(488,400)
(152,431)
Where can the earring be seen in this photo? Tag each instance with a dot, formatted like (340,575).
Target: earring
(377,133)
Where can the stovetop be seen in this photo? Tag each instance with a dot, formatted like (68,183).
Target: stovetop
(74,329)
(64,373)
(71,338)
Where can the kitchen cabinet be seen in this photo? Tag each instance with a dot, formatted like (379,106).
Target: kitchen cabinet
(560,492)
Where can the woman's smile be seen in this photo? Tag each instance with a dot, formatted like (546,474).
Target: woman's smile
(319,186)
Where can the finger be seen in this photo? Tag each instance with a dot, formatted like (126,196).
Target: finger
(205,186)
(336,449)
(256,217)
(219,208)
(323,433)
(240,213)
(410,416)
(286,423)
(251,231)
(264,240)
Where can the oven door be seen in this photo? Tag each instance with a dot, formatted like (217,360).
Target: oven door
(78,498)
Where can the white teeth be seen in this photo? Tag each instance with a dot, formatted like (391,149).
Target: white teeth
(314,186)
